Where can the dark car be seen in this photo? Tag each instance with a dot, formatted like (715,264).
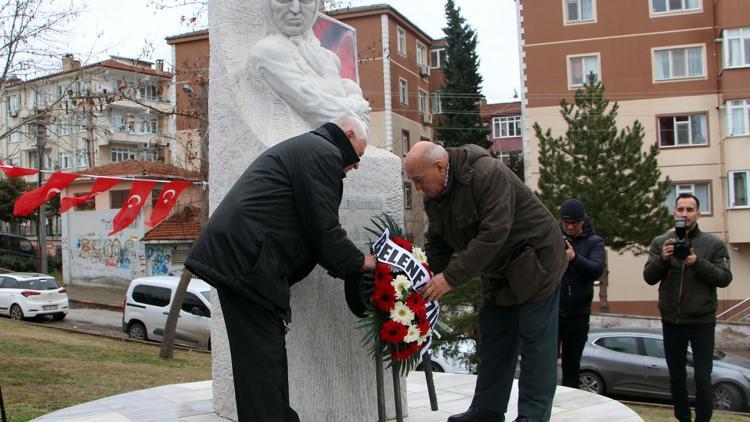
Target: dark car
(16,253)
(631,361)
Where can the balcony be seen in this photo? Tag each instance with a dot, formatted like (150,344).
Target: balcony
(162,105)
(130,137)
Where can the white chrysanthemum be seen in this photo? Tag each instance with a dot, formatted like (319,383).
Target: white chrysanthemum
(422,339)
(401,313)
(401,284)
(419,254)
(412,335)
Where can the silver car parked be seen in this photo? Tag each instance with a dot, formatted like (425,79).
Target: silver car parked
(631,361)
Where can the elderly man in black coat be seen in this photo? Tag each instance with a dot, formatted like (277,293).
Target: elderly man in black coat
(277,222)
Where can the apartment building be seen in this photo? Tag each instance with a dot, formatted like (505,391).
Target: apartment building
(504,121)
(681,68)
(400,72)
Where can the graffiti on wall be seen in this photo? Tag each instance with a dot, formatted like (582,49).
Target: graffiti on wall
(108,252)
(159,260)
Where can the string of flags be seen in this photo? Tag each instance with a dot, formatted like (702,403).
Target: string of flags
(139,192)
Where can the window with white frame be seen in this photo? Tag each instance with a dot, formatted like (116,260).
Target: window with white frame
(148,92)
(64,160)
(403,91)
(436,103)
(122,154)
(671,6)
(401,41)
(678,63)
(423,101)
(437,58)
(421,54)
(83,158)
(407,195)
(15,136)
(701,190)
(506,126)
(682,131)
(737,47)
(579,10)
(148,126)
(149,155)
(14,105)
(738,113)
(738,189)
(64,127)
(579,68)
(405,142)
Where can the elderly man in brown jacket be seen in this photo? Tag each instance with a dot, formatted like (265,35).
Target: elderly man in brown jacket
(484,221)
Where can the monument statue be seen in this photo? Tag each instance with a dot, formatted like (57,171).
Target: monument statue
(270,80)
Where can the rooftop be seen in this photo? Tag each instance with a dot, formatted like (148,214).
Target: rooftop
(182,225)
(138,168)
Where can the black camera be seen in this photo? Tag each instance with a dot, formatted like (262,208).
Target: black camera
(682,243)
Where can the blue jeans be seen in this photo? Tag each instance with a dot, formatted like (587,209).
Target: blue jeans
(530,329)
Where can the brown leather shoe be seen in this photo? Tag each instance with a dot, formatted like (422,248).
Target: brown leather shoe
(475,414)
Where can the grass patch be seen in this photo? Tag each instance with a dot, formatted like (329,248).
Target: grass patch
(665,414)
(44,369)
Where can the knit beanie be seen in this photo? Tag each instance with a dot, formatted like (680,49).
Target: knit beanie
(572,209)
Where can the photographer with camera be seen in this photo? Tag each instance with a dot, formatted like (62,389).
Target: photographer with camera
(689,265)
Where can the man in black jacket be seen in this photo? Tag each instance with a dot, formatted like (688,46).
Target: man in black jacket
(585,250)
(277,222)
(688,303)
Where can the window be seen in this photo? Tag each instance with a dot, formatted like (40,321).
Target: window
(64,160)
(83,158)
(579,68)
(149,155)
(421,54)
(191,301)
(619,344)
(700,190)
(737,47)
(401,39)
(15,136)
(147,92)
(669,6)
(738,113)
(579,10)
(681,131)
(148,126)
(407,195)
(405,142)
(152,295)
(654,347)
(117,198)
(678,63)
(506,126)
(436,104)
(403,91)
(64,128)
(87,205)
(14,105)
(122,154)
(423,101)
(738,189)
(437,58)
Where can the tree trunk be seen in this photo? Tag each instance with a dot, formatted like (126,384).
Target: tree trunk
(603,284)
(167,342)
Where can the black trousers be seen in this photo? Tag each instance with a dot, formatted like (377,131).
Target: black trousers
(530,328)
(701,339)
(572,338)
(259,366)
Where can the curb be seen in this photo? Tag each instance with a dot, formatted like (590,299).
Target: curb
(92,304)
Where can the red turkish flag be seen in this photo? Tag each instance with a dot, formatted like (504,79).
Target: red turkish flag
(34,199)
(11,171)
(101,184)
(166,201)
(139,193)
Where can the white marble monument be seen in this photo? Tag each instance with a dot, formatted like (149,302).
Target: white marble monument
(271,80)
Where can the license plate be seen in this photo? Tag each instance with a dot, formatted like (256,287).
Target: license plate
(49,307)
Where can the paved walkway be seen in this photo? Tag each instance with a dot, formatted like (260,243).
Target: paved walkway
(192,403)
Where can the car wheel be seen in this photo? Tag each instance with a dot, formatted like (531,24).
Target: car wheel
(137,331)
(591,382)
(59,316)
(16,313)
(727,397)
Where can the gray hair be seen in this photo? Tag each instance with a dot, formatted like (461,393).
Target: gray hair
(353,123)
(435,152)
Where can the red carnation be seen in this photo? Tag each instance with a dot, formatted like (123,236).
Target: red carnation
(384,297)
(424,327)
(383,273)
(415,301)
(393,332)
(400,241)
(405,352)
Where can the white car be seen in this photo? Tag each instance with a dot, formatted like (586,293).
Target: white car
(147,304)
(452,357)
(27,295)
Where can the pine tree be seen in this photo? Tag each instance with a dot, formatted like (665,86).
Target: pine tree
(460,123)
(607,170)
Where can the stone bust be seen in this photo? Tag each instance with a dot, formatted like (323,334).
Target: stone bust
(290,59)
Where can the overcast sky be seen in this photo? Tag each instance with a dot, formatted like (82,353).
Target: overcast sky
(130,28)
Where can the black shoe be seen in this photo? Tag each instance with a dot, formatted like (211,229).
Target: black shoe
(477,415)
(521,419)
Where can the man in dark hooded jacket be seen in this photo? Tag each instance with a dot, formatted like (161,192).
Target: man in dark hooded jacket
(585,252)
(277,222)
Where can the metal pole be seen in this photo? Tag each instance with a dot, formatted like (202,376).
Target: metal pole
(380,384)
(42,223)
(90,141)
(2,407)
(397,394)
(427,366)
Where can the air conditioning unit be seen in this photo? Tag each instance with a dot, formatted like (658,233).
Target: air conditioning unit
(427,118)
(424,70)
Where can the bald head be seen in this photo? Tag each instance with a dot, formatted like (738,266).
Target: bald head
(356,131)
(426,165)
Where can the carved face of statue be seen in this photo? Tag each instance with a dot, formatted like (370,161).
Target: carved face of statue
(293,17)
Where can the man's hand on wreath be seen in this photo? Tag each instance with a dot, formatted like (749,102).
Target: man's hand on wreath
(369,264)
(436,288)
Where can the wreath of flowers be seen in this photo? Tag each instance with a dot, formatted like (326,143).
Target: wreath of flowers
(396,320)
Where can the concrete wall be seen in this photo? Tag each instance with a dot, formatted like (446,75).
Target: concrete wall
(160,258)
